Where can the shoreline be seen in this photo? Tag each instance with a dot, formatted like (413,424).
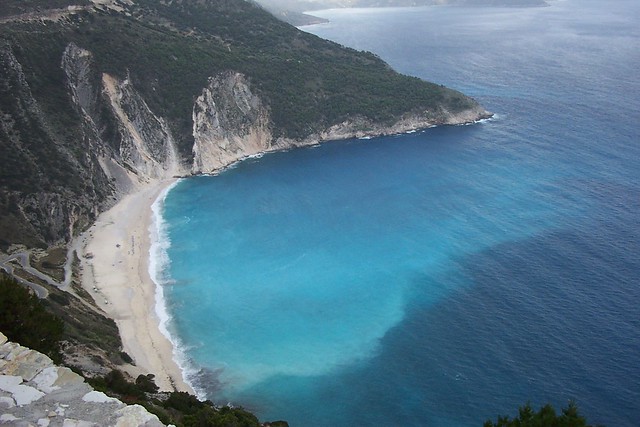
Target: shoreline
(115,260)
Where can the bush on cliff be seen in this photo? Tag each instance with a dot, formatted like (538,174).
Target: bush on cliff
(23,319)
(196,413)
(178,408)
(545,417)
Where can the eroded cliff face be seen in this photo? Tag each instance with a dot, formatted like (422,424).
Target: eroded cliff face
(140,146)
(229,123)
(70,155)
(146,144)
(48,182)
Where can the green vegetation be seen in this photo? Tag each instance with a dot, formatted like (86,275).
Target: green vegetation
(545,417)
(59,326)
(310,83)
(178,408)
(25,320)
(86,330)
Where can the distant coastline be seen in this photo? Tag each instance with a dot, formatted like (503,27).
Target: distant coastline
(302,14)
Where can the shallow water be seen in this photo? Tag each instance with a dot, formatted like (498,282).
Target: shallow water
(442,277)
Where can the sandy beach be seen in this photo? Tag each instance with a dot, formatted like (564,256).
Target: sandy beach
(115,272)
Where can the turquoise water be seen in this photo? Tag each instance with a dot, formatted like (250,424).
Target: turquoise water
(441,277)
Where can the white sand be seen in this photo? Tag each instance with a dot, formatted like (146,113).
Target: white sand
(118,279)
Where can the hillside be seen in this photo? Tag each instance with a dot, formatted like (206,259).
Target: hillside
(96,98)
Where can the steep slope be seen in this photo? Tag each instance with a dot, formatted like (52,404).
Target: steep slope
(97,99)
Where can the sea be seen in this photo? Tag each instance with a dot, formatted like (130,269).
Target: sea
(437,278)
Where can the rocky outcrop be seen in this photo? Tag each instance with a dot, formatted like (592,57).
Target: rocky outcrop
(34,391)
(360,127)
(229,123)
(77,64)
(40,162)
(143,148)
(69,155)
(146,145)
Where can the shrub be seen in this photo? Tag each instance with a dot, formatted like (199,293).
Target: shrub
(545,417)
(24,319)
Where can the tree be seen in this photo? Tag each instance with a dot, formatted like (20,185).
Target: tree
(545,417)
(23,319)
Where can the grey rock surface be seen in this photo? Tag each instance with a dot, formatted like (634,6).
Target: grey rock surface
(35,392)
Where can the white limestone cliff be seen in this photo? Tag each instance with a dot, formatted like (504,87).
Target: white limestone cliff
(229,123)
(144,149)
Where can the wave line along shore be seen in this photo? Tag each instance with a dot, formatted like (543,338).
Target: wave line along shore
(115,263)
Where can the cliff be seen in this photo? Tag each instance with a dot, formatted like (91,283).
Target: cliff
(99,98)
(229,122)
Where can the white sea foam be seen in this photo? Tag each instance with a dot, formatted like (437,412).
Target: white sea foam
(158,271)
(488,119)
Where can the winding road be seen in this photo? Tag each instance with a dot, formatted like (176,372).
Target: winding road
(23,259)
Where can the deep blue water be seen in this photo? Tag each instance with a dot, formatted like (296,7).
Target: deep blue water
(439,278)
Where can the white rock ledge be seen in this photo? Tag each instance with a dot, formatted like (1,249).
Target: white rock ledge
(33,391)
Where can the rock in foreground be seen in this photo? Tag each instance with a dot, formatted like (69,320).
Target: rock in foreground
(33,391)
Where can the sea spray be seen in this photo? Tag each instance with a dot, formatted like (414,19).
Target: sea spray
(159,272)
